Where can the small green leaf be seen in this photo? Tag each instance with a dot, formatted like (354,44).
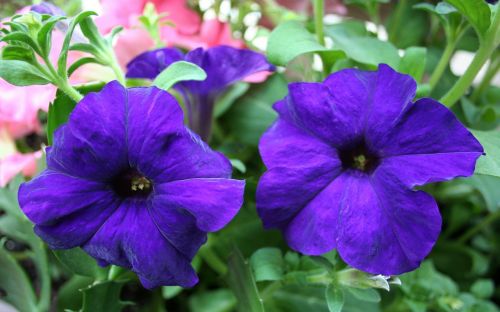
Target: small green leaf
(103,297)
(488,164)
(224,102)
(179,71)
(289,40)
(476,11)
(44,36)
(367,50)
(238,165)
(221,300)
(413,62)
(21,74)
(368,294)
(59,112)
(22,37)
(80,62)
(334,298)
(12,52)
(242,283)
(483,288)
(63,56)
(267,264)
(78,262)
(15,283)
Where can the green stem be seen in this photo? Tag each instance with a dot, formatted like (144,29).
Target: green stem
(486,48)
(213,260)
(479,227)
(117,69)
(492,70)
(319,12)
(443,63)
(268,292)
(45,288)
(398,16)
(60,82)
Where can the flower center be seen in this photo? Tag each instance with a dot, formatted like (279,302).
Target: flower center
(359,157)
(131,183)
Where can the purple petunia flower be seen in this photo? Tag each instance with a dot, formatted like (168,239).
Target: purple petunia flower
(343,159)
(224,66)
(47,8)
(132,186)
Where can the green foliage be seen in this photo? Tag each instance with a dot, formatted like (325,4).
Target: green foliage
(103,297)
(242,283)
(177,72)
(476,11)
(20,73)
(78,262)
(489,164)
(413,62)
(267,264)
(289,40)
(334,298)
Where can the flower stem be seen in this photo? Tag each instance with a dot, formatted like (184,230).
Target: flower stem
(213,260)
(443,63)
(60,82)
(487,46)
(319,12)
(480,226)
(398,17)
(270,290)
(117,70)
(492,70)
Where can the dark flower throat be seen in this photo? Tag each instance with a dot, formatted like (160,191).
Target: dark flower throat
(359,157)
(131,183)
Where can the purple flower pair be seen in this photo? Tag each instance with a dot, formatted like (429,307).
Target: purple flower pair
(224,66)
(132,186)
(343,159)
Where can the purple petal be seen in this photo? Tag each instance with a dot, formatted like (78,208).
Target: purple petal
(372,101)
(384,228)
(92,144)
(48,8)
(130,238)
(68,215)
(154,120)
(212,202)
(286,145)
(429,144)
(224,66)
(282,192)
(184,156)
(313,231)
(150,64)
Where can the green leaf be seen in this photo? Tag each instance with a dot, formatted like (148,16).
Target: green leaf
(368,294)
(488,164)
(488,187)
(103,297)
(44,36)
(221,300)
(179,71)
(289,40)
(267,264)
(63,57)
(227,99)
(334,298)
(22,37)
(367,50)
(80,62)
(12,52)
(78,262)
(476,11)
(413,62)
(483,288)
(59,112)
(15,283)
(238,165)
(169,292)
(242,283)
(252,114)
(21,74)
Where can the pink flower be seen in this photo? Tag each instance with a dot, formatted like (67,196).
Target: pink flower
(19,107)
(189,32)
(13,162)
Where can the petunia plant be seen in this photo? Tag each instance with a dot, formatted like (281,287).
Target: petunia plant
(266,156)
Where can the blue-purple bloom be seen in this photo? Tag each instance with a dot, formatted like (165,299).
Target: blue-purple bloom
(47,8)
(224,66)
(132,186)
(343,159)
